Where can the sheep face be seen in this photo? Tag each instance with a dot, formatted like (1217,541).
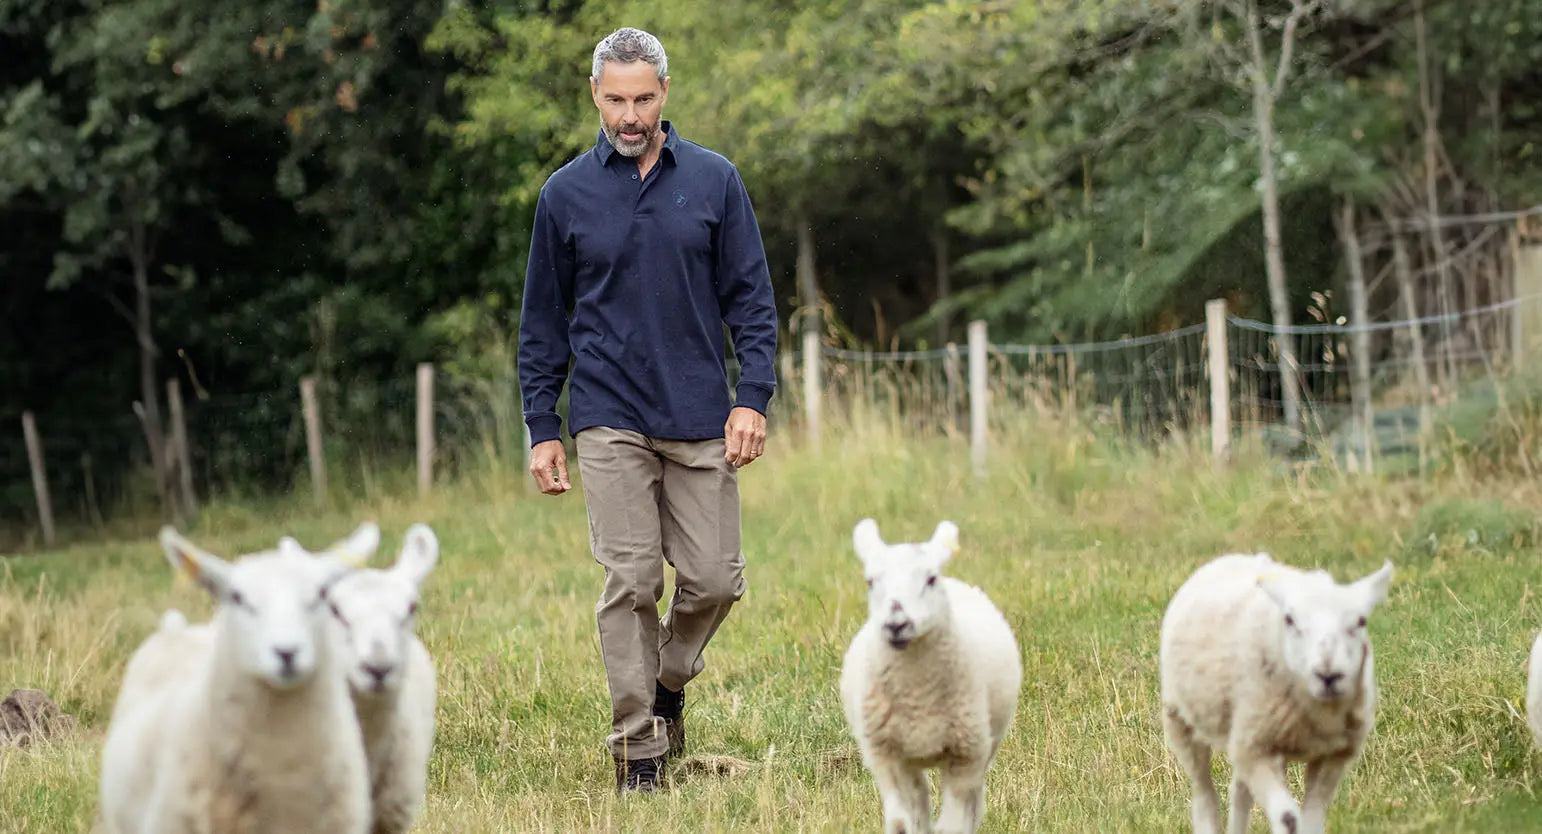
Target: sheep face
(905,598)
(378,608)
(1322,624)
(272,604)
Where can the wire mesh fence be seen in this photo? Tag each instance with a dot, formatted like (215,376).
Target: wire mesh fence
(1409,365)
(1146,388)
(1152,386)
(1146,385)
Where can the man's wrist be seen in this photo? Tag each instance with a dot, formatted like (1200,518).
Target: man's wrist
(544,428)
(754,397)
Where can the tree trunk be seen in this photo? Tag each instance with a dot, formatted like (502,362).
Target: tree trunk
(150,409)
(1497,274)
(1274,258)
(1437,241)
(944,280)
(1406,295)
(808,279)
(1360,337)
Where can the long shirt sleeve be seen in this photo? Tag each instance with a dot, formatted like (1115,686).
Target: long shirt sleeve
(543,325)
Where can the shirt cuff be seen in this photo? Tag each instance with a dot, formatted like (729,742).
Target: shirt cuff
(544,427)
(752,395)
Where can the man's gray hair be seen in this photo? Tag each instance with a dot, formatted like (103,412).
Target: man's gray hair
(626,46)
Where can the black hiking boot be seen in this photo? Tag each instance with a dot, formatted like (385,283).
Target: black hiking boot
(640,775)
(669,706)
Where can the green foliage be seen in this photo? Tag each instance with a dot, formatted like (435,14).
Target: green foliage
(1493,428)
(1462,526)
(312,185)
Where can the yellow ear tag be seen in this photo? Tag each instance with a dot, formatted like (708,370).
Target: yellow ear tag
(186,573)
(354,560)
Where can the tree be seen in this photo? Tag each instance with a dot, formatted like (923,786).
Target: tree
(107,135)
(1267,86)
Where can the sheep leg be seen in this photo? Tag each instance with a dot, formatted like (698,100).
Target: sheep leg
(1241,807)
(1322,779)
(1194,756)
(1265,778)
(963,798)
(907,802)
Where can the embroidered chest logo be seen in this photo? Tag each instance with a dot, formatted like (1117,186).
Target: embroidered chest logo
(679,199)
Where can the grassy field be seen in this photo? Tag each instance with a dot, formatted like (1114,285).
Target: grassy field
(1079,543)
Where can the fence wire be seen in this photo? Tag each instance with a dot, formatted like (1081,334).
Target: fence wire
(1146,387)
(1424,360)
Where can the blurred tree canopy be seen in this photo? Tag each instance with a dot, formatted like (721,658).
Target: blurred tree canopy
(239,193)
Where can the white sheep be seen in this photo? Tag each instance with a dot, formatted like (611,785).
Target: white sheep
(391,676)
(244,725)
(931,680)
(1272,665)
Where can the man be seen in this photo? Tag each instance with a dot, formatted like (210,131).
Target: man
(644,248)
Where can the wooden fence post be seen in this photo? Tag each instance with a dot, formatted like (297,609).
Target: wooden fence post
(1527,269)
(1517,332)
(425,428)
(1364,420)
(979,393)
(869,386)
(786,404)
(45,508)
(188,500)
(313,448)
(1220,383)
(811,385)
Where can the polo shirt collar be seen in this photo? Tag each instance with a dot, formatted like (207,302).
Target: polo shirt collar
(606,150)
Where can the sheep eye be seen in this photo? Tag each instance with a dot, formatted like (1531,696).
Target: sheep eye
(1360,623)
(931,581)
(1289,620)
(412,609)
(237,599)
(870,583)
(338,614)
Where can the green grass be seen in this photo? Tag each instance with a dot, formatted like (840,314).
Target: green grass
(1081,545)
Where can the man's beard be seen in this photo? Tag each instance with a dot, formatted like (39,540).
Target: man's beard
(633,148)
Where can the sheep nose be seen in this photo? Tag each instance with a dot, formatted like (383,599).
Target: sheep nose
(894,627)
(1329,679)
(286,658)
(377,672)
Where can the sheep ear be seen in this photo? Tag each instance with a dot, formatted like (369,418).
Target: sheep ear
(944,542)
(866,540)
(420,550)
(208,570)
(355,550)
(1273,584)
(1374,587)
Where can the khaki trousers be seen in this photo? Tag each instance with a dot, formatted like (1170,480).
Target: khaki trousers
(651,501)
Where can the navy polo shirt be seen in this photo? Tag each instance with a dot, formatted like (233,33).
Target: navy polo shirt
(633,279)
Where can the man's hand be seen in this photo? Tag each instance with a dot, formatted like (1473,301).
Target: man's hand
(744,436)
(549,465)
